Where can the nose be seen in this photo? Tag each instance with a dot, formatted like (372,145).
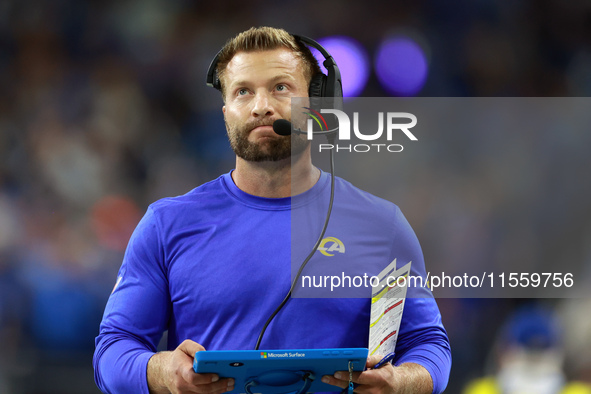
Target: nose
(263,104)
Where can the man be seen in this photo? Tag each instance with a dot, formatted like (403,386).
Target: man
(212,265)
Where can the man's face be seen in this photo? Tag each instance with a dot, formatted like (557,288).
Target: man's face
(258,88)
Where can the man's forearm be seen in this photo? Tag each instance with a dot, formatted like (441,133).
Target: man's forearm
(155,373)
(412,378)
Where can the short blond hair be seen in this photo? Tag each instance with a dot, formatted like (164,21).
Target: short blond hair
(263,39)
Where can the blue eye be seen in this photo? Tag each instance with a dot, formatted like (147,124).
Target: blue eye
(281,88)
(242,92)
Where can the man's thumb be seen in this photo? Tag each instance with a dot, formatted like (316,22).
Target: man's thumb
(190,347)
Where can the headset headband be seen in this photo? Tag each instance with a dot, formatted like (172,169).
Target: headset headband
(321,86)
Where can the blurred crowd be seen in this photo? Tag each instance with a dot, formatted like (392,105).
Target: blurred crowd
(104,109)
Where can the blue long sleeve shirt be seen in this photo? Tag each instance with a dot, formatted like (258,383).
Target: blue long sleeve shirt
(213,264)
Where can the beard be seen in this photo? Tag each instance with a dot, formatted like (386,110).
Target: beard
(275,149)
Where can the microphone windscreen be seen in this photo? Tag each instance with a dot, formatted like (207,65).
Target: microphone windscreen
(282,127)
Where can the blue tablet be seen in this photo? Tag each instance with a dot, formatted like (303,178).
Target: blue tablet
(295,371)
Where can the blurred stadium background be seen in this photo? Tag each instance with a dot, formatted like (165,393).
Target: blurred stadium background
(103,109)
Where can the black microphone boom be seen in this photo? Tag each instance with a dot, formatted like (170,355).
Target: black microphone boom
(282,127)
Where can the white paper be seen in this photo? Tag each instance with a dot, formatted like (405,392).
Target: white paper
(387,305)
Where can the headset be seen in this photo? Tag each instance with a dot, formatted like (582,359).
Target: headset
(321,85)
(327,87)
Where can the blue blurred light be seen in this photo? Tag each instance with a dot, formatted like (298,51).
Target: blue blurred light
(401,66)
(352,60)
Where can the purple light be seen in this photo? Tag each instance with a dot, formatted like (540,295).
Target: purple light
(351,59)
(401,66)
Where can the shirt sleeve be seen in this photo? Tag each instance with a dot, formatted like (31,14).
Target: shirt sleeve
(422,338)
(136,314)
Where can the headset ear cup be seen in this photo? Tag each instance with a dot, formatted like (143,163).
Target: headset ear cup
(317,85)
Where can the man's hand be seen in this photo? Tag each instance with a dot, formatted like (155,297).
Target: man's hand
(408,378)
(172,372)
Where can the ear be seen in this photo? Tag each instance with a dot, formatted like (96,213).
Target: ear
(224,110)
